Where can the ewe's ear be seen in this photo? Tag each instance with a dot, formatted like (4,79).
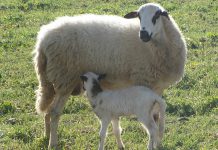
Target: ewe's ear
(132,14)
(83,78)
(165,13)
(101,76)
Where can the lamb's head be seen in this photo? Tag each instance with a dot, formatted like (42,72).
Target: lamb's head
(91,82)
(150,24)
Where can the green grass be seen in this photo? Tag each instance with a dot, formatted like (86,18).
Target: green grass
(195,97)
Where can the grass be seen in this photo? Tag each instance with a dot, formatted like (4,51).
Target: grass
(195,97)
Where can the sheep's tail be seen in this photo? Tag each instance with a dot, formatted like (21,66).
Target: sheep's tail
(45,92)
(162,108)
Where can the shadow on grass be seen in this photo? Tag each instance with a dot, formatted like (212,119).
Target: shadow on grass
(42,143)
(23,135)
(208,106)
(165,147)
(180,109)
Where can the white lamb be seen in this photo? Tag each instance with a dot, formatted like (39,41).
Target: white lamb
(150,52)
(109,105)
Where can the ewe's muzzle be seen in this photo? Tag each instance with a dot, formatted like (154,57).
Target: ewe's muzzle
(144,36)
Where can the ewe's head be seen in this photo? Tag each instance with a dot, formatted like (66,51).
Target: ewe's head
(91,81)
(150,24)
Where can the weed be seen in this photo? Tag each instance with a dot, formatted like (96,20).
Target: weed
(7,107)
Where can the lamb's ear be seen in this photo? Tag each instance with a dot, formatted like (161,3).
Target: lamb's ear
(83,78)
(165,13)
(132,14)
(101,76)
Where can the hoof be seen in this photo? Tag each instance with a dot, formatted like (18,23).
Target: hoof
(121,148)
(53,147)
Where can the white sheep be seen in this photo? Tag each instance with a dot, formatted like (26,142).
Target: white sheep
(71,46)
(109,105)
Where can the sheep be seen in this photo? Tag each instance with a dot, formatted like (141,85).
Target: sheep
(71,46)
(109,105)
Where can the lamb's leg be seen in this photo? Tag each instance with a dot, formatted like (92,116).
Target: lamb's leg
(160,128)
(47,124)
(152,131)
(103,132)
(55,112)
(117,132)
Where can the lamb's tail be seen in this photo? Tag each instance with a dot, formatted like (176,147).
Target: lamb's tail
(45,92)
(162,108)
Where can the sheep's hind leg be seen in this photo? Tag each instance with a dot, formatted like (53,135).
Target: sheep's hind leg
(117,132)
(55,112)
(47,125)
(152,131)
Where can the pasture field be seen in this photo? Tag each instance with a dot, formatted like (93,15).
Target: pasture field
(192,110)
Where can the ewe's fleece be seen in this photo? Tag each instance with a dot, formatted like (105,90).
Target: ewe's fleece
(70,46)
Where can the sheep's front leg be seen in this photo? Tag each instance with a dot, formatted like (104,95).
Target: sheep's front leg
(103,132)
(117,132)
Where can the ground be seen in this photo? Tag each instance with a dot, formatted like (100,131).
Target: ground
(192,104)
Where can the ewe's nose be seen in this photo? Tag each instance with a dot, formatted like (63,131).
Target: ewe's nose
(144,36)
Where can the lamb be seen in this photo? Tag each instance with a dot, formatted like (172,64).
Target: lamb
(140,101)
(71,46)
